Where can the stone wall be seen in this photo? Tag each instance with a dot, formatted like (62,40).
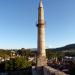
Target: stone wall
(51,71)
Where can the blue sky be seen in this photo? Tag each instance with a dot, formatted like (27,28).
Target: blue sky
(18,19)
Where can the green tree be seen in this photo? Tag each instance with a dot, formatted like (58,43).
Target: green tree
(9,65)
(21,63)
(17,64)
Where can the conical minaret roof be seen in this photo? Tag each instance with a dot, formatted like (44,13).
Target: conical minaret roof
(41,4)
(41,12)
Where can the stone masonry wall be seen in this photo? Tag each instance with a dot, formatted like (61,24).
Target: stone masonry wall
(51,71)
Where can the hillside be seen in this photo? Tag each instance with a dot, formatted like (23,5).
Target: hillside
(70,47)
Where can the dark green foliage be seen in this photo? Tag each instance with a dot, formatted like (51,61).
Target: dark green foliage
(70,54)
(9,65)
(5,53)
(51,54)
(26,52)
(21,63)
(15,64)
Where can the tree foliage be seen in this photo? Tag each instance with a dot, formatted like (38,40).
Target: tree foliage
(5,53)
(15,64)
(25,52)
(51,54)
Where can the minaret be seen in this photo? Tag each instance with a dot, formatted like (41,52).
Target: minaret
(41,54)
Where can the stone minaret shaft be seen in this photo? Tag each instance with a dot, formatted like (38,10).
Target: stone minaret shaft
(41,36)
